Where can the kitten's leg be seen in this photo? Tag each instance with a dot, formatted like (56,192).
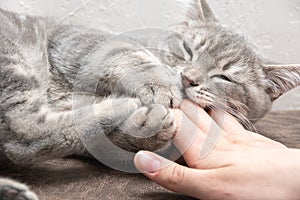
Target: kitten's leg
(11,190)
(57,134)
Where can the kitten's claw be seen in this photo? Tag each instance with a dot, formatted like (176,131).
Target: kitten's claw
(11,190)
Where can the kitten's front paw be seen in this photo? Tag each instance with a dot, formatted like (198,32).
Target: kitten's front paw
(169,96)
(11,190)
(150,128)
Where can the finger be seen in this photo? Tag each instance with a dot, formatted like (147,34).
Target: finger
(230,125)
(227,122)
(170,175)
(197,115)
(188,139)
(206,124)
(193,143)
(264,142)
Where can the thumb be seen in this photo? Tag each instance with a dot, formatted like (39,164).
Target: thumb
(170,174)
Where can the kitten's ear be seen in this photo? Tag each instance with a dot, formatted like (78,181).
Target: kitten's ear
(282,78)
(199,10)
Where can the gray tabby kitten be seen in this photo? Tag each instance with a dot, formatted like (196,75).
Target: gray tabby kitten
(40,62)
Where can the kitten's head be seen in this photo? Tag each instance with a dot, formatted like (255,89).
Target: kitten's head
(222,69)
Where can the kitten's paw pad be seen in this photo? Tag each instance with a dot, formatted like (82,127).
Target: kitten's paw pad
(150,128)
(11,190)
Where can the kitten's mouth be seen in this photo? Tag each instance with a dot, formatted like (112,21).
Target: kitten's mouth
(207,109)
(200,96)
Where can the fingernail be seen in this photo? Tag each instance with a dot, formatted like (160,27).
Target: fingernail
(147,162)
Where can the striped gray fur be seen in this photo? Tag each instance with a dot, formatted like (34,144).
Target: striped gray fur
(43,64)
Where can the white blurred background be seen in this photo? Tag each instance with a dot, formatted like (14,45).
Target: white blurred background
(273,25)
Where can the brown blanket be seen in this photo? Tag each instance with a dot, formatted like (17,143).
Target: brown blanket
(73,178)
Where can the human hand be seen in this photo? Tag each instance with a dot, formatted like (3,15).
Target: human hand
(225,160)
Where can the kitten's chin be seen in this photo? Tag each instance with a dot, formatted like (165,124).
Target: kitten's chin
(200,98)
(202,103)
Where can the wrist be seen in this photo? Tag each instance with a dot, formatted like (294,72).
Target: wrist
(274,172)
(290,160)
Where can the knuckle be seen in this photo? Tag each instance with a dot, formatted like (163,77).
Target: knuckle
(197,164)
(176,176)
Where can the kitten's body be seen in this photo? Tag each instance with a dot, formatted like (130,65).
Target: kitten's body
(38,79)
(43,63)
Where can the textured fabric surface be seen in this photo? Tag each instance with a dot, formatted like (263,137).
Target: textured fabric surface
(87,179)
(282,126)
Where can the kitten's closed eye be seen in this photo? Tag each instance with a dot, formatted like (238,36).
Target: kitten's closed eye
(188,50)
(223,77)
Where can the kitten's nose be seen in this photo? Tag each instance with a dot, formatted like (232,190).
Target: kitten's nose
(188,82)
(192,77)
